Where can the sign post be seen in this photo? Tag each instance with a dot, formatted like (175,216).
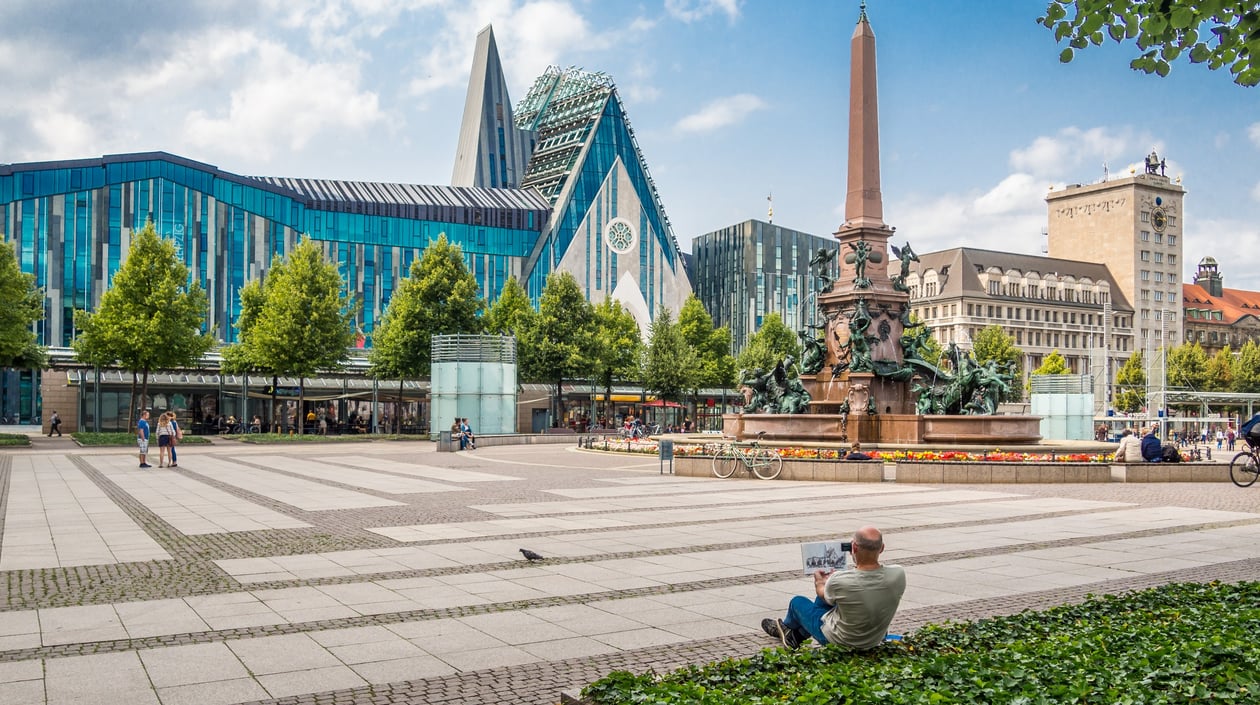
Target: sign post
(665,448)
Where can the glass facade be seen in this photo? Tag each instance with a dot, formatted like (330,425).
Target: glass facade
(745,271)
(72,221)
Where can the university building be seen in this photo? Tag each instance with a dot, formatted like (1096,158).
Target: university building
(557,184)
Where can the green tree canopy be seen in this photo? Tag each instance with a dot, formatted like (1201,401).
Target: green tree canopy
(510,313)
(1246,371)
(299,320)
(1130,388)
(1219,375)
(1219,33)
(769,346)
(715,367)
(1053,364)
(149,318)
(993,343)
(669,363)
(21,305)
(616,346)
(438,297)
(555,344)
(1187,367)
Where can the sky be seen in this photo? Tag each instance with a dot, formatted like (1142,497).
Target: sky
(731,101)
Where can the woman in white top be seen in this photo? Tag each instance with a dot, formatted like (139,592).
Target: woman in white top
(165,436)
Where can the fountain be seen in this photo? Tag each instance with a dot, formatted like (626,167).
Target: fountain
(864,379)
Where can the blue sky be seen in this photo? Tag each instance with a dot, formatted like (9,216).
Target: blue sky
(730,101)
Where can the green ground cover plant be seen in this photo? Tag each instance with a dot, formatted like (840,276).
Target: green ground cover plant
(126,438)
(1179,643)
(14,439)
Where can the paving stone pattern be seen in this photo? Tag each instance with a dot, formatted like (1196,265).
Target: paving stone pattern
(389,573)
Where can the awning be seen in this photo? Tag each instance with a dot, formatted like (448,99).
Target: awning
(662,402)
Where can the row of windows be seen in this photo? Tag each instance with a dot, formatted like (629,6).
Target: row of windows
(1145,275)
(1145,256)
(1146,218)
(1159,238)
(1206,313)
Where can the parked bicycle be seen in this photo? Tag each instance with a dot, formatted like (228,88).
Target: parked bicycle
(1245,467)
(762,462)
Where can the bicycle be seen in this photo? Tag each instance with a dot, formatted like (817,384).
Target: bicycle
(1245,467)
(762,462)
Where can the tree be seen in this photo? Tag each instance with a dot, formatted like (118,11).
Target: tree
(932,351)
(510,312)
(770,345)
(149,318)
(556,342)
(1219,33)
(1246,371)
(298,320)
(21,305)
(1187,366)
(669,363)
(1220,371)
(1053,364)
(616,345)
(1130,389)
(715,367)
(438,297)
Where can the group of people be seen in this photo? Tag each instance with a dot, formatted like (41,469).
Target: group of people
(168,434)
(1145,449)
(461,431)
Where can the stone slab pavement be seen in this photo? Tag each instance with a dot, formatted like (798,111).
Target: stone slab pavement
(389,573)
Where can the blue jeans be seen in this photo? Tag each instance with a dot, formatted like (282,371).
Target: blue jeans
(806,615)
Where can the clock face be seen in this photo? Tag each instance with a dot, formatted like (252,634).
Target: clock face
(620,235)
(1159,219)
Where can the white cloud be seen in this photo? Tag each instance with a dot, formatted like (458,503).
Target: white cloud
(1233,242)
(1071,151)
(639,87)
(1253,133)
(1012,195)
(282,103)
(1255,192)
(692,10)
(721,113)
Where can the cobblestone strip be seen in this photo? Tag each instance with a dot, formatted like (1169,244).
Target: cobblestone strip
(469,610)
(6,464)
(541,683)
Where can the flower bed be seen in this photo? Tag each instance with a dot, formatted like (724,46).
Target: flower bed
(800,453)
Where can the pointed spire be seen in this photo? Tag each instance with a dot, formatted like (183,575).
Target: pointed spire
(487,111)
(864,203)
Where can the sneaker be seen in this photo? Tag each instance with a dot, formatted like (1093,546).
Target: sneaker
(771,627)
(174,465)
(787,635)
(145,465)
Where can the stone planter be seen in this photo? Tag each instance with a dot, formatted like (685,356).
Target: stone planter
(793,469)
(981,473)
(1170,472)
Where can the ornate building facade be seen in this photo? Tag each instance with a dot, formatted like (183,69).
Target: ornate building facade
(1215,316)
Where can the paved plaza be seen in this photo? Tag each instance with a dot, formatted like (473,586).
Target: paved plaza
(388,573)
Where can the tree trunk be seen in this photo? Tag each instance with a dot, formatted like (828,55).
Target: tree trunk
(301,405)
(607,399)
(131,405)
(399,408)
(144,388)
(558,403)
(274,381)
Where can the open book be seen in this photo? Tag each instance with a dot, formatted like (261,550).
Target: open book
(825,555)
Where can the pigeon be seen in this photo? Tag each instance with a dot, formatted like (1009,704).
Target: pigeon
(530,555)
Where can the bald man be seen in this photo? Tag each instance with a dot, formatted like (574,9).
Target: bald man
(851,607)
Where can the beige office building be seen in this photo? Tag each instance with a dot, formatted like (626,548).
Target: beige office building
(1134,226)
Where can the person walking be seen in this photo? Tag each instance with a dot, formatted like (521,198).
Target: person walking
(164,439)
(54,425)
(177,435)
(142,437)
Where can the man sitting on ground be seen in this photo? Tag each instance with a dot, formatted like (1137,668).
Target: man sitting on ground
(852,607)
(855,452)
(1152,449)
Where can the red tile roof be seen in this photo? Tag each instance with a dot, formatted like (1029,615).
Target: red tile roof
(1233,304)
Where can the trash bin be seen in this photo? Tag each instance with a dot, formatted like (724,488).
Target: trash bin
(445,443)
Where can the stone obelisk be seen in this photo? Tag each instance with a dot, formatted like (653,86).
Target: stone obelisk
(864,313)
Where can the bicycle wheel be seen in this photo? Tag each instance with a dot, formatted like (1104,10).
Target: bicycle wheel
(1243,469)
(766,463)
(725,462)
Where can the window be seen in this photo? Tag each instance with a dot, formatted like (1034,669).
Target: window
(1159,237)
(1056,316)
(1172,239)
(1146,217)
(1159,276)
(1145,295)
(1145,275)
(1146,235)
(1172,259)
(1159,296)
(1145,256)
(1073,317)
(1172,220)
(1159,257)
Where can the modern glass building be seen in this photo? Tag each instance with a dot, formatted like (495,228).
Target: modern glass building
(745,271)
(608,227)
